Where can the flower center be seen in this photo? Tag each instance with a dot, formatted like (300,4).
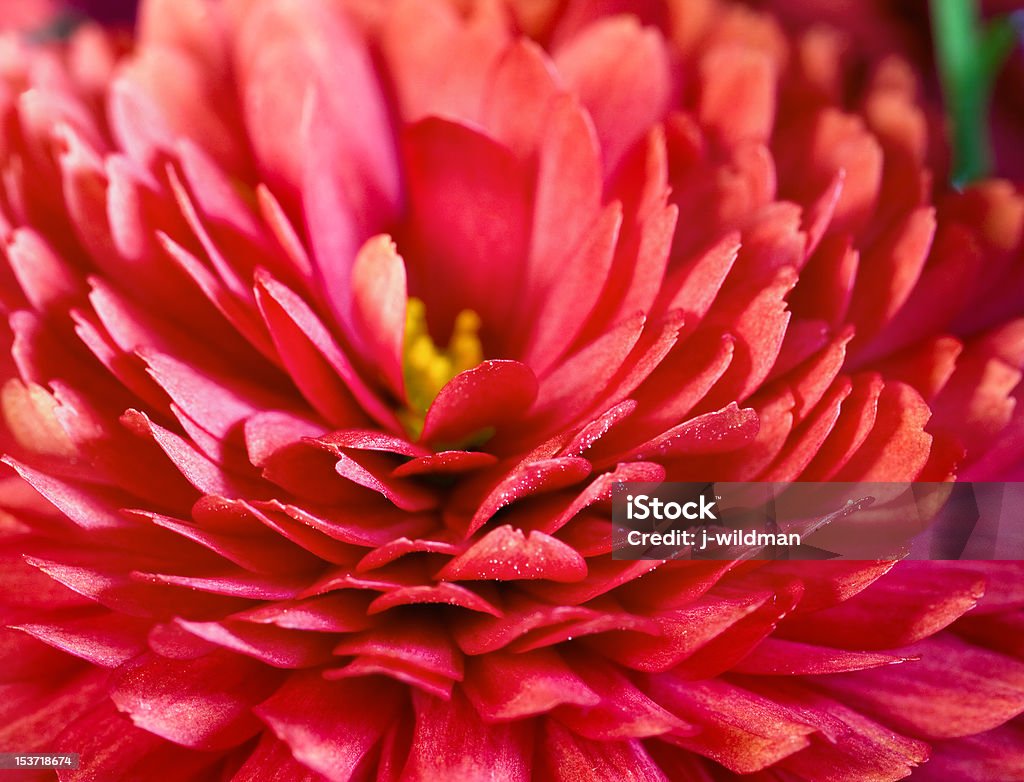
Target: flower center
(426,368)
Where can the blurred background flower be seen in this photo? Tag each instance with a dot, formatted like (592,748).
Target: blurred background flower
(332,324)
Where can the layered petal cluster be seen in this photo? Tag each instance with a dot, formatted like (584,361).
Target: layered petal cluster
(330,326)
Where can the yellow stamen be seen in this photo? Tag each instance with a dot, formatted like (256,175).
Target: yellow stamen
(427,368)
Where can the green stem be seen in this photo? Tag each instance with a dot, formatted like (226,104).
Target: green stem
(969,56)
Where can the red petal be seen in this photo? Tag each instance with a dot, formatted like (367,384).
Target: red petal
(111,747)
(105,639)
(512,686)
(561,311)
(625,711)
(342,612)
(724,430)
(992,755)
(568,757)
(888,273)
(682,632)
(741,730)
(470,216)
(273,754)
(49,283)
(417,643)
(389,552)
(526,480)
(444,463)
(493,393)
(275,646)
(775,657)
(506,554)
(442,594)
(851,747)
(314,360)
(203,703)
(451,742)
(897,447)
(484,634)
(330,726)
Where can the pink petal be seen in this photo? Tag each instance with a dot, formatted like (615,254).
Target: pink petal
(370,526)
(889,271)
(257,553)
(913,603)
(605,64)
(285,54)
(897,446)
(723,430)
(234,584)
(216,402)
(991,755)
(603,576)
(207,476)
(272,753)
(737,94)
(955,689)
(484,634)
(523,85)
(378,308)
(851,748)
(414,32)
(563,310)
(267,432)
(582,378)
(49,283)
(590,434)
(372,474)
(368,665)
(600,491)
(775,657)
(682,632)
(111,747)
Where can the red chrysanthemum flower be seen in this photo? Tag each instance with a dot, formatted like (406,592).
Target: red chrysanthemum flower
(332,325)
